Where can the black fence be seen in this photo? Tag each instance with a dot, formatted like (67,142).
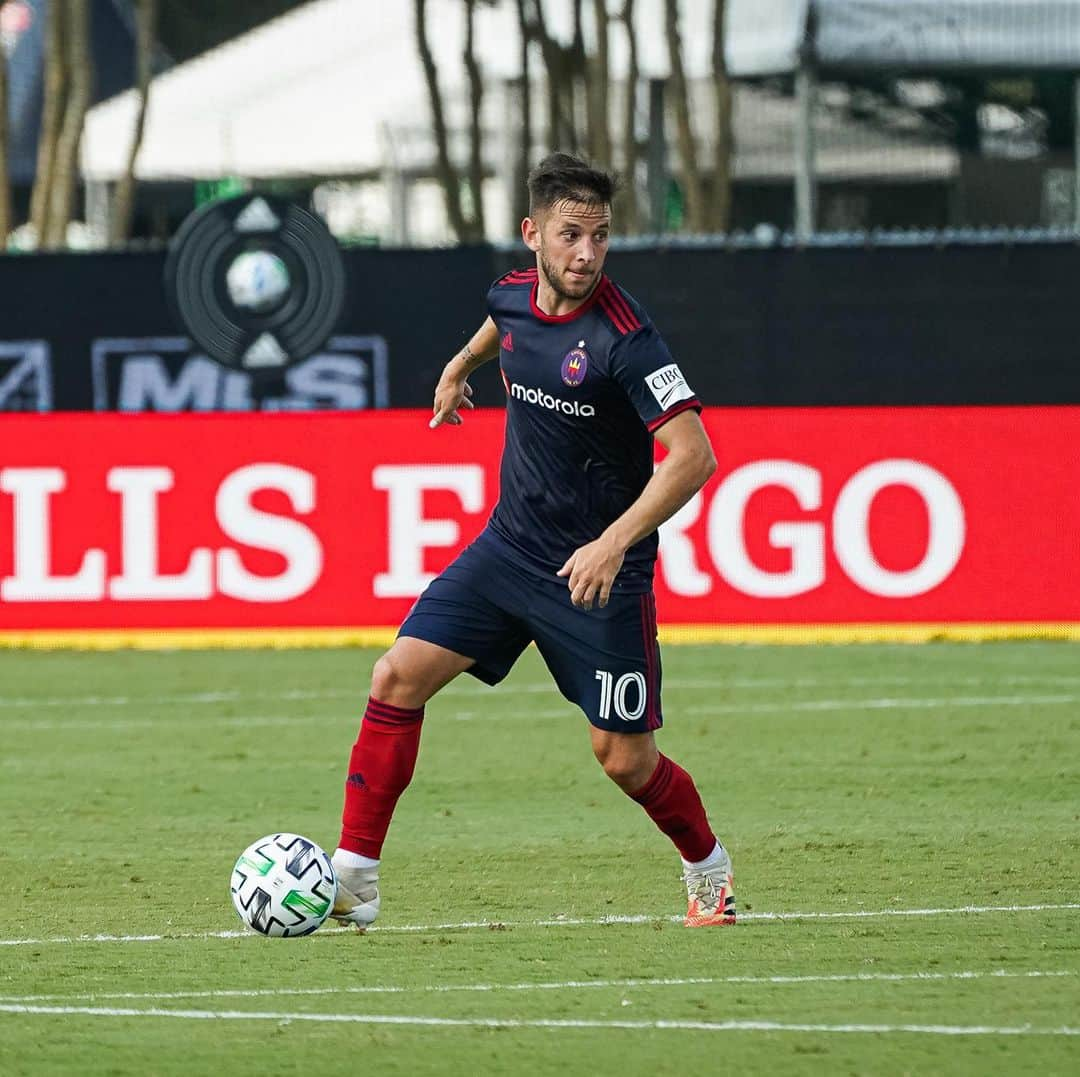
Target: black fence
(888,325)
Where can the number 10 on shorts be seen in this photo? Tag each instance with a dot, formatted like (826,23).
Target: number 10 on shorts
(616,691)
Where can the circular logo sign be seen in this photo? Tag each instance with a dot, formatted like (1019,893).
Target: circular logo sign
(257,281)
(575,365)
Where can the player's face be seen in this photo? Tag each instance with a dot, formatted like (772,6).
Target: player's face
(571,242)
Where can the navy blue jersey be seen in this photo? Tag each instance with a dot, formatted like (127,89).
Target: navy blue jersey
(585,391)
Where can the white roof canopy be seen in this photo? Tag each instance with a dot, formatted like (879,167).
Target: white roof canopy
(948,35)
(315,92)
(328,89)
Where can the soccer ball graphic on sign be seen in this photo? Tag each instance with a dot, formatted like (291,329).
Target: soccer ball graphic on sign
(257,282)
(283,885)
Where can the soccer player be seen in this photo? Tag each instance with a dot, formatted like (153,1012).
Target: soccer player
(566,559)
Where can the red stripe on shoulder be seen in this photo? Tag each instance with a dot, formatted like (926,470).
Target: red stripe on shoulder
(615,315)
(619,300)
(678,409)
(518,276)
(620,327)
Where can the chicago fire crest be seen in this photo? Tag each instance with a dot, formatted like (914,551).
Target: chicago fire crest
(575,365)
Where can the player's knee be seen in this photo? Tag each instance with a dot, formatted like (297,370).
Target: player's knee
(628,770)
(390,683)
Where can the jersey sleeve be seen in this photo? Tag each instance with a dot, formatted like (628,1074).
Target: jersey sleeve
(495,301)
(644,368)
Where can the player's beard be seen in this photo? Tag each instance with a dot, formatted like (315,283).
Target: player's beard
(561,287)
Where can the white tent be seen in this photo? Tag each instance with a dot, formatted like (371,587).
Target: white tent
(948,35)
(336,88)
(320,91)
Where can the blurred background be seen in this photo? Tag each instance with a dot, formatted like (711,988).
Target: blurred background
(412,123)
(944,130)
(827,204)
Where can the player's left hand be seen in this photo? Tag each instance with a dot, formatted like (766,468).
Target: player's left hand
(590,571)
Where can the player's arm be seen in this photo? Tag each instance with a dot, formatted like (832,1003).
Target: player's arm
(453,390)
(592,569)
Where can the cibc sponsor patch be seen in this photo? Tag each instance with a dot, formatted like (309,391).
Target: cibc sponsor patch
(669,386)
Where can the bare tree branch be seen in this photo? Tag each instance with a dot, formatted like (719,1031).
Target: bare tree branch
(693,192)
(521,195)
(146,17)
(719,216)
(79,64)
(52,111)
(476,134)
(598,71)
(5,171)
(630,208)
(577,80)
(562,131)
(447,173)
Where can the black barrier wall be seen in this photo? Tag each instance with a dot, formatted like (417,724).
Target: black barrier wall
(921,325)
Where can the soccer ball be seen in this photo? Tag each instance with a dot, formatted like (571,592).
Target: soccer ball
(257,282)
(283,885)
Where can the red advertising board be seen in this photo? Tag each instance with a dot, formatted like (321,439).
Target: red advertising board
(856,516)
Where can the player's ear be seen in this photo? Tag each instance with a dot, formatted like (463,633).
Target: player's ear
(530,232)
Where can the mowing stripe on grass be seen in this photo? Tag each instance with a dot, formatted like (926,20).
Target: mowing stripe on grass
(602,921)
(203,699)
(515,1022)
(563,985)
(779,707)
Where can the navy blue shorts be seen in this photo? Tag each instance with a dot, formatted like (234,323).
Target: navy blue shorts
(488,608)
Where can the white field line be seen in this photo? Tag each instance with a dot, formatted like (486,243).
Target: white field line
(602,921)
(564,985)
(515,1022)
(469,688)
(196,699)
(883,704)
(242,721)
(566,710)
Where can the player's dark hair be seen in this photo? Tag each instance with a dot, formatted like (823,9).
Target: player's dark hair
(561,175)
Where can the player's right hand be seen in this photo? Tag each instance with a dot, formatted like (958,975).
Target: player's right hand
(451,394)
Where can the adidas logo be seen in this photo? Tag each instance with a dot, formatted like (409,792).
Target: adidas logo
(507,343)
(265,352)
(257,216)
(356,779)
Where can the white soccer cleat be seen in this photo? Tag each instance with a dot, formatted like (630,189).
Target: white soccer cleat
(357,900)
(710,893)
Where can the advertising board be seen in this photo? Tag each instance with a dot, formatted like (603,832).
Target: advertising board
(819,523)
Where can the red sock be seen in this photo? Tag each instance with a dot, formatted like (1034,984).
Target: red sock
(671,799)
(380,768)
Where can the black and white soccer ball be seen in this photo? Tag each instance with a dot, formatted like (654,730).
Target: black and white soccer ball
(283,885)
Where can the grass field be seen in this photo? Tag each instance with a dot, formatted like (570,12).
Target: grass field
(904,822)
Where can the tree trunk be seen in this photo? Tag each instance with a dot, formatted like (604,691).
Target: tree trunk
(693,193)
(719,218)
(597,90)
(476,133)
(447,173)
(52,111)
(521,194)
(5,172)
(562,133)
(80,72)
(631,210)
(146,18)
(578,84)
